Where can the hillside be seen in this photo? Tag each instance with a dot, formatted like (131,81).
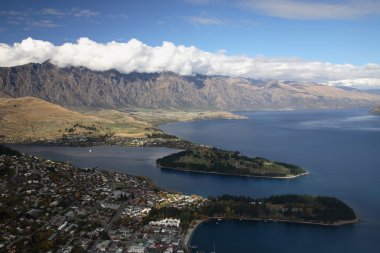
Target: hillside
(32,118)
(28,117)
(213,160)
(78,87)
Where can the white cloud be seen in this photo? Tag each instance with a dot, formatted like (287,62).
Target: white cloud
(137,56)
(84,13)
(46,23)
(53,12)
(359,83)
(204,20)
(312,9)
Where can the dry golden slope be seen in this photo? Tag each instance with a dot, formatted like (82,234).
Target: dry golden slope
(28,117)
(33,118)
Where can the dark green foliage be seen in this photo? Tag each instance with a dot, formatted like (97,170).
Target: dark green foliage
(294,169)
(161,135)
(227,162)
(288,198)
(284,207)
(233,207)
(328,209)
(104,235)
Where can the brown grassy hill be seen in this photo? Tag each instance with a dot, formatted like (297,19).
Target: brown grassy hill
(28,117)
(33,118)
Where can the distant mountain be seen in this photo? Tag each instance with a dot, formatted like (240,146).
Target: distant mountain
(79,87)
(347,88)
(375,110)
(374,91)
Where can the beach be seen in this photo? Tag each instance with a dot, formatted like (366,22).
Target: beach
(190,232)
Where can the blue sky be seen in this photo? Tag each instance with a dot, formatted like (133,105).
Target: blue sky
(337,32)
(233,26)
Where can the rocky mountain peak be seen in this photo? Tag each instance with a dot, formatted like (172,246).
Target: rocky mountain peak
(79,87)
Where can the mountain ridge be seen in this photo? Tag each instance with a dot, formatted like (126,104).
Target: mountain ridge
(79,87)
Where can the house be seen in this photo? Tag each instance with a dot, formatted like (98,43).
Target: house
(136,249)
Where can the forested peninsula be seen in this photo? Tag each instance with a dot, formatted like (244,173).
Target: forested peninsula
(318,210)
(213,160)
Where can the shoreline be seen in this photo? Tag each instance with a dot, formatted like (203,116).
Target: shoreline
(233,116)
(190,231)
(334,224)
(235,175)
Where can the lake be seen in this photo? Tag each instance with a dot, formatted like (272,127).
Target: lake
(340,149)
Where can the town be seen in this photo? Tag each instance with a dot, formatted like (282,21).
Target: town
(161,140)
(56,207)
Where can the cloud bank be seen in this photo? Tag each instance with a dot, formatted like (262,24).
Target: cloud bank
(185,60)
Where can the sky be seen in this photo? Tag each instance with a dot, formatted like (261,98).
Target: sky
(334,42)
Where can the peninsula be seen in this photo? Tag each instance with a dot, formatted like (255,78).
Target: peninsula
(213,160)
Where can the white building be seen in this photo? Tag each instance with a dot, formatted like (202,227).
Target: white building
(166,222)
(136,249)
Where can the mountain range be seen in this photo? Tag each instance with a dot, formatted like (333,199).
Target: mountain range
(82,88)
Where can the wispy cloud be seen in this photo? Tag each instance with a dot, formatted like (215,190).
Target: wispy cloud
(45,18)
(15,17)
(199,20)
(45,23)
(312,9)
(209,20)
(137,56)
(84,13)
(53,12)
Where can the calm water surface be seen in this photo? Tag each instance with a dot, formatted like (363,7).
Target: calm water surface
(340,149)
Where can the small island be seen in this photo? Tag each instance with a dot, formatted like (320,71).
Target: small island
(213,160)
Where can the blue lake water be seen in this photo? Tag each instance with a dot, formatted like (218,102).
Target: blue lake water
(340,149)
